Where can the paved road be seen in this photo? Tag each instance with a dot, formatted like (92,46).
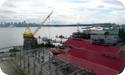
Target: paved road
(9,68)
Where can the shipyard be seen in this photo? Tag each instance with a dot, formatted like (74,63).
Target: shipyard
(59,37)
(79,54)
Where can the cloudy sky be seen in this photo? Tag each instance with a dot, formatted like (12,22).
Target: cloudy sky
(65,11)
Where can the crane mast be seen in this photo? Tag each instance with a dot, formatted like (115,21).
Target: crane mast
(42,23)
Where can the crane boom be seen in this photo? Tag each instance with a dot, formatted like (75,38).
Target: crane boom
(42,23)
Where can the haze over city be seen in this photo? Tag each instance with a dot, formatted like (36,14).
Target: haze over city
(65,11)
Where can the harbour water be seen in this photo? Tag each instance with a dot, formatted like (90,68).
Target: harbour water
(14,36)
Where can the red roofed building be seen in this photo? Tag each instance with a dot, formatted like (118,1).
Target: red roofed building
(100,59)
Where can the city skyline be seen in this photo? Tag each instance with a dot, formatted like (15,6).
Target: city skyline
(65,11)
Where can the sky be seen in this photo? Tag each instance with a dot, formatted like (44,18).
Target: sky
(65,11)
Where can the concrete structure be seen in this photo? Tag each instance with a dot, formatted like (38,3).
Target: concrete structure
(41,62)
(30,43)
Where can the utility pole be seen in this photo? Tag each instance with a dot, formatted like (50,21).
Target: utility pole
(41,69)
(20,59)
(34,66)
(28,65)
(50,65)
(24,61)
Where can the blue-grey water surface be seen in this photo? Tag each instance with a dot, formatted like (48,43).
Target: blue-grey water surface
(14,36)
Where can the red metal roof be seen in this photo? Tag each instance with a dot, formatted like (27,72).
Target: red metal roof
(87,45)
(89,56)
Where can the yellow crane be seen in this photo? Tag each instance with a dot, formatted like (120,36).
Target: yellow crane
(28,33)
(29,40)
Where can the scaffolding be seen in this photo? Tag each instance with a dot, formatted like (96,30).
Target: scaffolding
(41,62)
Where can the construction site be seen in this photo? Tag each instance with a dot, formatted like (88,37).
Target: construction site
(33,59)
(75,56)
(41,62)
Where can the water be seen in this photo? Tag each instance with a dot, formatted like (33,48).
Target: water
(14,36)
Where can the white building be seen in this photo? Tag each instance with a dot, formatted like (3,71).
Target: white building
(104,37)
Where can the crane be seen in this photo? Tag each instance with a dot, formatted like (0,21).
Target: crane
(29,40)
(28,33)
(42,23)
